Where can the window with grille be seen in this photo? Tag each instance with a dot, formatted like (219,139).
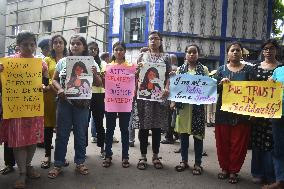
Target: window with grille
(134,25)
(82,24)
(47,26)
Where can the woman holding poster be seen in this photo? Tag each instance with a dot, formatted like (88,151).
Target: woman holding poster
(58,51)
(190,117)
(22,134)
(262,168)
(153,114)
(277,126)
(232,131)
(115,95)
(71,113)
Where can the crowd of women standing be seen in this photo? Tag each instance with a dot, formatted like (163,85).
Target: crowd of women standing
(232,131)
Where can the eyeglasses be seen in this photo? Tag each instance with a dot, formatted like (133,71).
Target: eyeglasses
(154,38)
(268,48)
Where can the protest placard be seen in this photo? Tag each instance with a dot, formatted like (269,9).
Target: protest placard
(193,89)
(22,94)
(79,77)
(119,88)
(151,81)
(254,98)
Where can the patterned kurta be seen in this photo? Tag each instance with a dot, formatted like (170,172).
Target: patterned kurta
(261,127)
(18,132)
(153,114)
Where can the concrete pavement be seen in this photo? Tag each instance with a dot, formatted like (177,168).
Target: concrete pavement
(116,177)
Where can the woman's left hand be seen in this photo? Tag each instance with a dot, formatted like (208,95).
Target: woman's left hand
(94,70)
(44,88)
(166,94)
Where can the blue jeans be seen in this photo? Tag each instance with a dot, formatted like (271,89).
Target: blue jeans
(93,128)
(110,127)
(68,116)
(278,153)
(198,148)
(262,165)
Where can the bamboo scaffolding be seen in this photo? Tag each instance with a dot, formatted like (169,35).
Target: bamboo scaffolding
(90,23)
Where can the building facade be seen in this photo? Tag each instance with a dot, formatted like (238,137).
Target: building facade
(2,27)
(49,17)
(211,24)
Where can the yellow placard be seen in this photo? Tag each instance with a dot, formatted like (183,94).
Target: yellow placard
(254,98)
(22,94)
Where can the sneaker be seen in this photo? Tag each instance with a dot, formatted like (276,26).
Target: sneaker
(131,144)
(178,150)
(167,141)
(94,139)
(256,180)
(8,169)
(103,154)
(115,140)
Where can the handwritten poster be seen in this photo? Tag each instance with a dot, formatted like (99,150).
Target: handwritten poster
(151,81)
(22,93)
(254,98)
(193,89)
(79,77)
(119,88)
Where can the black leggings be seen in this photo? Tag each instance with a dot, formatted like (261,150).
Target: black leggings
(9,156)
(156,138)
(98,112)
(48,134)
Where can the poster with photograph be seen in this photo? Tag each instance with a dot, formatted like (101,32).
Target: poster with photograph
(151,81)
(79,77)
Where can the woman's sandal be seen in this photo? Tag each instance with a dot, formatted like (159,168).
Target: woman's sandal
(223,175)
(45,164)
(107,162)
(20,184)
(54,172)
(197,170)
(32,173)
(233,179)
(82,169)
(125,163)
(142,164)
(157,163)
(182,166)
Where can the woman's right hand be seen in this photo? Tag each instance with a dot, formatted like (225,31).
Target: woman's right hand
(61,94)
(172,73)
(224,80)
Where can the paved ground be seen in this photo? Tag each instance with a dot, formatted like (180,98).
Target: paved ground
(117,177)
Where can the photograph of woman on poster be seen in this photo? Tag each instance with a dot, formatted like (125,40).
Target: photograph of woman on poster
(77,84)
(150,87)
